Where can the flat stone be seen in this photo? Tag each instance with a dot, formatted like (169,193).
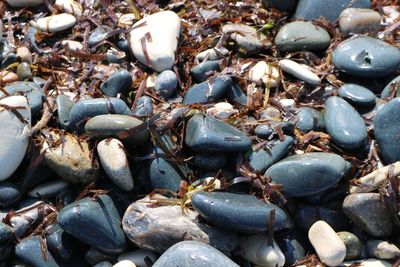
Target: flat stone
(14,135)
(163,29)
(307,174)
(367,212)
(49,189)
(382,249)
(206,134)
(330,248)
(95,222)
(364,56)
(30,251)
(208,91)
(64,106)
(300,36)
(344,124)
(86,109)
(330,9)
(241,213)
(258,250)
(22,3)
(9,194)
(144,107)
(30,90)
(114,125)
(193,254)
(166,83)
(56,23)
(309,119)
(353,245)
(392,87)
(299,71)
(115,163)
(359,21)
(59,242)
(118,83)
(357,95)
(158,228)
(138,257)
(201,72)
(386,129)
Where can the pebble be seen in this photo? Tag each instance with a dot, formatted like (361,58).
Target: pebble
(357,95)
(163,174)
(144,107)
(208,91)
(291,244)
(8,77)
(300,36)
(166,83)
(359,21)
(118,83)
(124,263)
(98,35)
(64,106)
(193,254)
(9,194)
(126,20)
(70,7)
(94,256)
(299,71)
(115,163)
(364,56)
(24,71)
(330,248)
(382,249)
(263,73)
(207,134)
(367,212)
(30,251)
(241,213)
(222,111)
(56,23)
(14,136)
(30,90)
(138,257)
(22,3)
(24,54)
(5,232)
(212,54)
(95,222)
(201,72)
(236,95)
(164,29)
(353,245)
(386,128)
(59,242)
(72,45)
(392,87)
(49,189)
(344,124)
(103,264)
(310,119)
(308,173)
(367,263)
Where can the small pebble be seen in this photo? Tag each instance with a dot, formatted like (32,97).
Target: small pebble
(56,23)
(353,245)
(166,83)
(299,71)
(382,249)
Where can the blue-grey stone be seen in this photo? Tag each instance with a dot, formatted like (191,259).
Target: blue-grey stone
(344,124)
(386,130)
(64,106)
(39,81)
(5,49)
(114,125)
(123,45)
(282,5)
(392,86)
(8,60)
(59,242)
(365,56)
(309,119)
(9,194)
(144,107)
(357,95)
(86,109)
(166,83)
(30,90)
(307,174)
(330,9)
(5,233)
(205,134)
(291,244)
(300,36)
(208,91)
(116,57)
(95,222)
(264,158)
(30,251)
(163,175)
(98,35)
(265,130)
(241,213)
(201,72)
(193,254)
(210,161)
(93,256)
(118,83)
(236,95)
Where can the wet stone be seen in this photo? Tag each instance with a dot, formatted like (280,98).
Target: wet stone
(259,250)
(118,83)
(64,105)
(307,174)
(353,245)
(241,213)
(236,95)
(8,60)
(210,161)
(309,119)
(291,244)
(29,250)
(9,194)
(166,83)
(59,242)
(201,72)
(5,233)
(359,20)
(144,107)
(208,91)
(282,5)
(95,222)
(163,175)
(392,88)
(357,95)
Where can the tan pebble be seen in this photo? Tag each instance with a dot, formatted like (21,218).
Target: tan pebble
(24,54)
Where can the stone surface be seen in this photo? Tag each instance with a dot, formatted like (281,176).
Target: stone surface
(5,232)
(24,71)
(201,72)
(367,263)
(282,5)
(144,107)
(56,23)
(258,250)
(299,71)
(291,244)
(9,194)
(357,95)
(208,91)
(242,213)
(353,245)
(367,212)
(64,105)
(263,73)
(49,189)
(212,54)
(59,242)
(166,83)
(300,36)
(386,129)
(330,248)
(344,124)
(14,134)
(309,119)
(307,174)
(392,88)
(138,257)
(359,21)
(382,249)
(30,90)
(70,7)
(163,174)
(95,222)
(118,83)
(221,110)
(365,56)
(159,34)
(29,250)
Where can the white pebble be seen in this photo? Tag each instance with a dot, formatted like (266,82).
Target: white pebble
(382,249)
(212,54)
(222,110)
(70,7)
(138,256)
(49,189)
(264,73)
(286,102)
(126,20)
(73,45)
(21,3)
(56,23)
(299,71)
(124,263)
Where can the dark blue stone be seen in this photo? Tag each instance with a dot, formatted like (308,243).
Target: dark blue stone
(163,175)
(201,72)
(264,130)
(64,106)
(365,56)
(236,95)
(59,242)
(86,109)
(357,95)
(98,35)
(309,119)
(208,91)
(344,124)
(9,194)
(166,83)
(210,161)
(144,107)
(30,251)
(392,85)
(8,60)
(387,129)
(242,213)
(205,133)
(282,5)
(93,256)
(30,90)
(330,9)
(291,244)
(95,222)
(123,45)
(118,83)
(5,233)
(307,174)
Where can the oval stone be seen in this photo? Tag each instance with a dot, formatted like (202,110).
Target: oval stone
(30,90)
(242,213)
(386,130)
(344,124)
(201,71)
(119,82)
(307,174)
(310,119)
(56,23)
(208,91)
(365,56)
(357,95)
(359,20)
(166,83)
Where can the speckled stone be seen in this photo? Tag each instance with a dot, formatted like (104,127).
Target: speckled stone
(357,95)
(208,91)
(118,83)
(353,245)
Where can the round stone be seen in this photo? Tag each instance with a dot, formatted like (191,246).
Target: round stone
(353,245)
(166,83)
